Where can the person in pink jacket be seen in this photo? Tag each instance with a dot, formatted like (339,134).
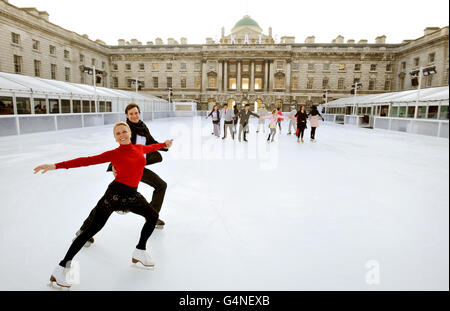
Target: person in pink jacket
(274,118)
(314,121)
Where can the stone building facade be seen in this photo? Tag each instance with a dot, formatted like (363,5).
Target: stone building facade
(244,66)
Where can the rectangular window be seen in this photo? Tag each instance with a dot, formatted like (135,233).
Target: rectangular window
(40,106)
(212,65)
(232,83)
(431,58)
(388,67)
(416,61)
(411,110)
(54,105)
(141,83)
(258,83)
(76,106)
(65,106)
(17,64)
(394,112)
(142,67)
(429,81)
(23,105)
(66,54)
(310,67)
(67,74)
(433,112)
(115,82)
(168,66)
(373,67)
(36,45)
(444,113)
(212,82)
(93,62)
(294,83)
(387,85)
(52,50)
(183,66)
(326,67)
(341,83)
(403,65)
(197,67)
(183,82)
(372,84)
(421,112)
(402,112)
(155,67)
(169,81)
(245,68)
(37,68)
(129,82)
(81,58)
(128,67)
(7,107)
(259,68)
(115,67)
(155,82)
(15,38)
(232,67)
(309,84)
(86,106)
(197,83)
(357,67)
(245,83)
(53,71)
(325,83)
(280,65)
(341,67)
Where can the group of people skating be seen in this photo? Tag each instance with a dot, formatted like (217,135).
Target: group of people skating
(137,148)
(297,121)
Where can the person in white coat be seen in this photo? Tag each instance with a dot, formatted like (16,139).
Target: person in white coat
(227,115)
(292,119)
(262,112)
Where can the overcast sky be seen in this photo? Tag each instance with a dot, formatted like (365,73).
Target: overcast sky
(110,20)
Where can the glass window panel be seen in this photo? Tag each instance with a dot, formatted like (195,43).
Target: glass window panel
(245,83)
(54,105)
(411,111)
(232,83)
(23,105)
(86,106)
(65,106)
(6,105)
(444,113)
(402,112)
(433,112)
(92,106)
(394,112)
(76,106)
(102,107)
(40,106)
(422,112)
(384,111)
(108,107)
(258,83)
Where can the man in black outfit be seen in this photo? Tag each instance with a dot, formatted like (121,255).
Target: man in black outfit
(140,135)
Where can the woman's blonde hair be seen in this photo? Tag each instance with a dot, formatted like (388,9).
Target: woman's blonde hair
(121,124)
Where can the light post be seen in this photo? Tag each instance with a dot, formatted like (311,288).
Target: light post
(96,77)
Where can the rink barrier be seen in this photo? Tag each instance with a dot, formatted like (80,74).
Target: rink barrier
(11,125)
(438,128)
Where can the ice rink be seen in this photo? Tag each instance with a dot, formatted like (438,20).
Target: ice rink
(359,209)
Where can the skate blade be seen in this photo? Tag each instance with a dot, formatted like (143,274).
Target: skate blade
(159,227)
(139,265)
(53,284)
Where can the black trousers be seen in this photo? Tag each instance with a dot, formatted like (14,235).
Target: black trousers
(118,197)
(153,180)
(301,132)
(313,132)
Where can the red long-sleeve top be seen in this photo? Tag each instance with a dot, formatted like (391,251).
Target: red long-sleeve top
(128,160)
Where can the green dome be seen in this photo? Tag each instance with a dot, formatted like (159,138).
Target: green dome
(246,21)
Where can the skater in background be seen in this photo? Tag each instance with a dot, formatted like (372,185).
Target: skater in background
(314,121)
(292,120)
(244,116)
(236,117)
(227,115)
(121,195)
(273,120)
(279,119)
(302,118)
(215,115)
(140,135)
(262,112)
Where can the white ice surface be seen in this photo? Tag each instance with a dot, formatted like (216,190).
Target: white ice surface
(309,217)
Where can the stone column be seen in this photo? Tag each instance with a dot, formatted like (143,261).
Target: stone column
(266,76)
(225,76)
(238,87)
(270,80)
(219,80)
(204,77)
(288,76)
(252,77)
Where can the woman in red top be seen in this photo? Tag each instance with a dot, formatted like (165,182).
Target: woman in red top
(121,195)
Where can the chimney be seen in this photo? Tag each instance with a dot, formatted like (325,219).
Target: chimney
(429,30)
(362,41)
(159,41)
(121,41)
(350,41)
(310,39)
(149,42)
(100,42)
(85,36)
(223,32)
(209,41)
(134,42)
(270,32)
(172,41)
(183,41)
(339,39)
(287,40)
(380,39)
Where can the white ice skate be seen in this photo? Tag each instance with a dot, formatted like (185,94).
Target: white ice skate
(142,257)
(60,277)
